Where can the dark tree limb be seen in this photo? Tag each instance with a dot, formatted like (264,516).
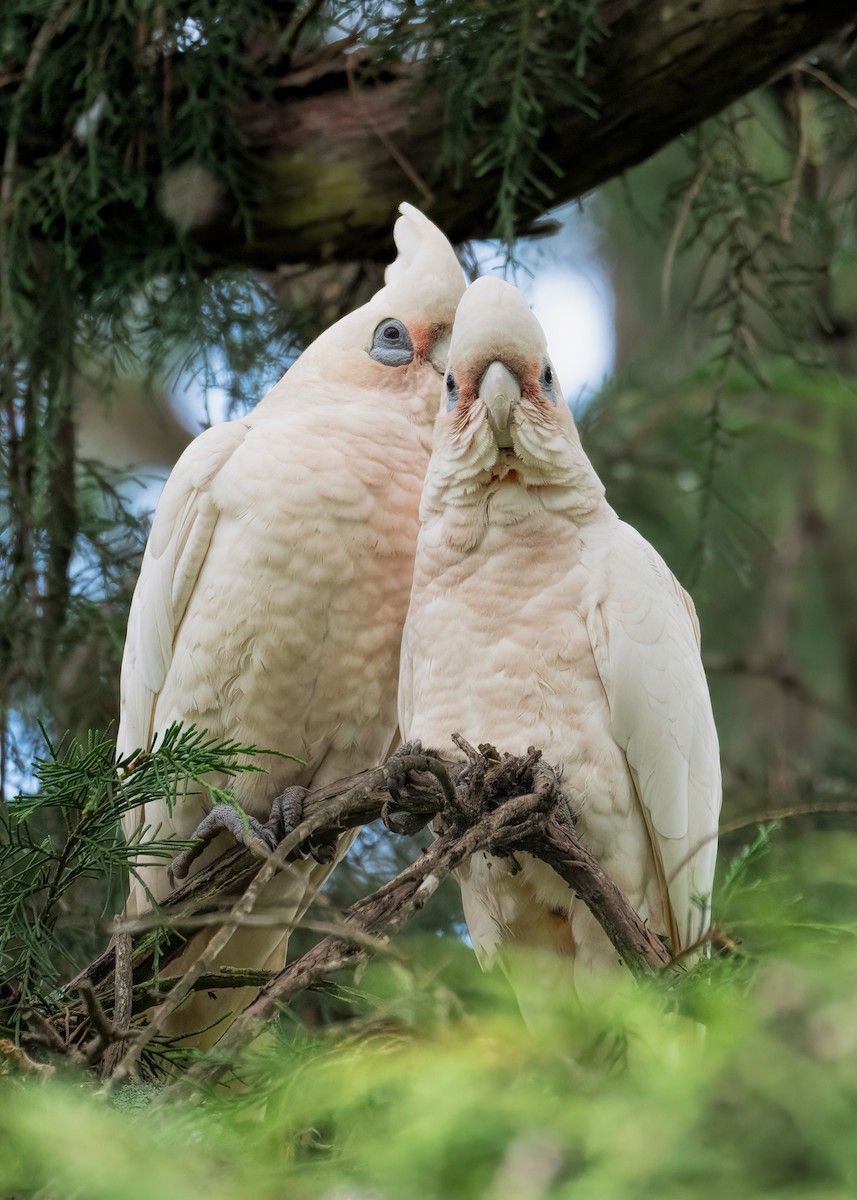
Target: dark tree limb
(338,156)
(343,139)
(637,946)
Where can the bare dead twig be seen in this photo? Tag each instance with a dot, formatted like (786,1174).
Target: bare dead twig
(684,212)
(41,1032)
(836,88)
(801,155)
(223,977)
(641,951)
(123,999)
(106,1033)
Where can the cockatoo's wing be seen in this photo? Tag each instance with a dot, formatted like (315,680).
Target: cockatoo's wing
(406,686)
(181,534)
(645,639)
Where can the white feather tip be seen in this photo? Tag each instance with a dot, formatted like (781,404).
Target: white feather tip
(411,233)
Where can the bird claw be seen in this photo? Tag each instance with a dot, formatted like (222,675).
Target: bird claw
(286,814)
(395,770)
(323,851)
(260,838)
(223,818)
(406,824)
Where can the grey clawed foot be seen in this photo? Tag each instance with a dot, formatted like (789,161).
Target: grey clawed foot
(223,818)
(406,824)
(259,837)
(403,823)
(395,768)
(286,815)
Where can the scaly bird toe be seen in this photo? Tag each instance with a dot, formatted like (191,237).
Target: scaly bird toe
(223,818)
(286,815)
(396,770)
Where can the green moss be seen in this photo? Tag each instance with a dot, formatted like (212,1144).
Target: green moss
(315,196)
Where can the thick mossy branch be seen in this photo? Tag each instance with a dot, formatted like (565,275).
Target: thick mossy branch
(500,804)
(339,154)
(484,117)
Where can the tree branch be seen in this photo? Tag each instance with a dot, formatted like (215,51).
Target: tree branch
(331,183)
(498,804)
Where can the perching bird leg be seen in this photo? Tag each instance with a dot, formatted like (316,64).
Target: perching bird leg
(286,813)
(396,767)
(409,757)
(223,818)
(260,838)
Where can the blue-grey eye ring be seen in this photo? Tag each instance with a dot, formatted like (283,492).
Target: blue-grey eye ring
(451,391)
(547,382)
(391,344)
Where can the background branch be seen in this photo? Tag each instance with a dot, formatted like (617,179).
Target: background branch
(662,70)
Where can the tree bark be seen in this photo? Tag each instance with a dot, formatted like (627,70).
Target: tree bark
(338,155)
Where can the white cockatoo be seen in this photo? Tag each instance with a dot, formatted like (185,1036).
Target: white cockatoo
(538,618)
(275,582)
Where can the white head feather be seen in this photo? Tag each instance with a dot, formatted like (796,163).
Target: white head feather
(421,290)
(505,446)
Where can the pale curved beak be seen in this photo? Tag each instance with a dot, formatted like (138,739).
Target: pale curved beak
(439,353)
(500,391)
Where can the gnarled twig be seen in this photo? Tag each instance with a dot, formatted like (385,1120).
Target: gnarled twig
(499,804)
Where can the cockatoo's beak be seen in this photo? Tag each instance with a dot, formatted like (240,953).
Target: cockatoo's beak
(439,353)
(499,391)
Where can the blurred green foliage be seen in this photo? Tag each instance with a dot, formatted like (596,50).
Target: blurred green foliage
(436,1089)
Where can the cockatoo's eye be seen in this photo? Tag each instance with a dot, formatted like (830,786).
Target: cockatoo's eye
(547,383)
(391,344)
(451,391)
